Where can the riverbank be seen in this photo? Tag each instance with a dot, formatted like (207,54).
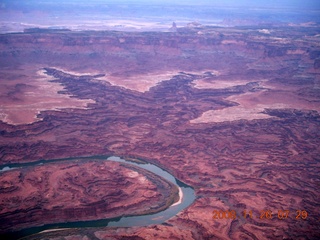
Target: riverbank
(132,191)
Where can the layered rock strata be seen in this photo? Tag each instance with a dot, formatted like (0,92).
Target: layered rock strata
(265,159)
(78,191)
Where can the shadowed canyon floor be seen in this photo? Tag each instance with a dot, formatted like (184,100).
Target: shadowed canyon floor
(232,112)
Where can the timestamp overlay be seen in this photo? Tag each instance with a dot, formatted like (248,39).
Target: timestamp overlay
(280,214)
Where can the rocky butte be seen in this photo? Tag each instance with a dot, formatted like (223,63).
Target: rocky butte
(232,112)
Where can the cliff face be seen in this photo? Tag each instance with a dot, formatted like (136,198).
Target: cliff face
(209,46)
(233,112)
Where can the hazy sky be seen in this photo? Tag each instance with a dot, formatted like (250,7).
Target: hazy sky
(234,3)
(309,4)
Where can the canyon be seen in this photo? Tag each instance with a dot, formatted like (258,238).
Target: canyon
(79,189)
(232,112)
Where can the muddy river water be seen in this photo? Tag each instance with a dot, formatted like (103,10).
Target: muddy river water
(186,193)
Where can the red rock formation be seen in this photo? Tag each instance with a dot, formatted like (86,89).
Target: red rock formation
(241,164)
(77,191)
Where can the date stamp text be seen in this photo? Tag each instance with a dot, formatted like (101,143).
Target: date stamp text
(264,214)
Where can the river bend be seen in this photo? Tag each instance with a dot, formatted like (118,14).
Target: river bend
(186,193)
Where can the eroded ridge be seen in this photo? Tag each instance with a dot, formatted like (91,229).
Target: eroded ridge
(132,114)
(79,190)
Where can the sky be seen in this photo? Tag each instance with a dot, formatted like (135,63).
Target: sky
(304,4)
(234,3)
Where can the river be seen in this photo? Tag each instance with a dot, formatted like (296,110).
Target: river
(186,193)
